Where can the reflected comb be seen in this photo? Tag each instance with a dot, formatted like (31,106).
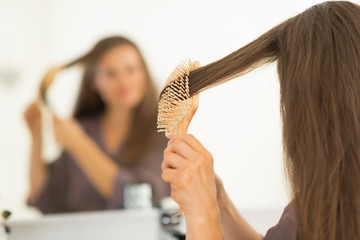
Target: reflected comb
(47,81)
(176,106)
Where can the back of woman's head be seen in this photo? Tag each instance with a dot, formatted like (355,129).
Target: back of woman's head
(318,59)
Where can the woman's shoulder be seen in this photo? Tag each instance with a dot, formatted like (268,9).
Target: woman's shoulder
(286,229)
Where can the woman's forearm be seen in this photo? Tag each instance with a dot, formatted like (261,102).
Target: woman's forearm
(234,226)
(38,169)
(98,167)
(204,226)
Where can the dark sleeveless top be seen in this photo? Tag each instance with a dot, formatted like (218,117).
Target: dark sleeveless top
(286,229)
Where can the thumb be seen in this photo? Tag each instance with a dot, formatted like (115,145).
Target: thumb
(194,101)
(55,118)
(56,121)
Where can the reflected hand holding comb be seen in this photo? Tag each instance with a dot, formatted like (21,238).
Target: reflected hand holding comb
(47,81)
(67,132)
(33,112)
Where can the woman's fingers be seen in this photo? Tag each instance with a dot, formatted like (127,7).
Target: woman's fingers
(177,178)
(190,140)
(32,111)
(188,167)
(56,119)
(173,160)
(180,147)
(169,175)
(32,117)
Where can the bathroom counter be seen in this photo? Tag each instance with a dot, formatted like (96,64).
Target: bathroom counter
(115,224)
(107,225)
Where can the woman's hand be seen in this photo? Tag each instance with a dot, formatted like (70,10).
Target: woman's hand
(68,133)
(209,212)
(220,190)
(188,166)
(32,117)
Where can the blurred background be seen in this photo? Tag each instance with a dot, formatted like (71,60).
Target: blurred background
(239,122)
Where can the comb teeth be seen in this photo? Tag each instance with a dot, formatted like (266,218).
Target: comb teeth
(175,100)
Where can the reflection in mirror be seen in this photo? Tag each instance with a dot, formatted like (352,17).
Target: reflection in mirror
(109,141)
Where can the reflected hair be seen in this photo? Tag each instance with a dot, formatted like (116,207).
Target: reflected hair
(318,62)
(89,102)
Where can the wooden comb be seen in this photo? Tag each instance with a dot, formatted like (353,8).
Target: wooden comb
(176,106)
(47,81)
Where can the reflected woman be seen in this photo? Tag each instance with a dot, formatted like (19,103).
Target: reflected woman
(111,141)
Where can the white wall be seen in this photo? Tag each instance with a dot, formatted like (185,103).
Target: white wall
(238,122)
(23,45)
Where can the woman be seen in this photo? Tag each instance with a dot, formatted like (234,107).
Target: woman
(318,59)
(111,141)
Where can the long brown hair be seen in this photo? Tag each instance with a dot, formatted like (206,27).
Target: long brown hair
(89,101)
(318,60)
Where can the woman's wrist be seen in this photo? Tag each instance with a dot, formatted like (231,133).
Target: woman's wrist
(77,144)
(204,225)
(212,215)
(220,191)
(36,138)
(224,203)
(35,134)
